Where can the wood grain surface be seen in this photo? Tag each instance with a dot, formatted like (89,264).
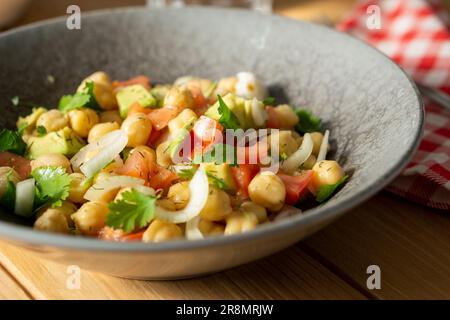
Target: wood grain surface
(410,244)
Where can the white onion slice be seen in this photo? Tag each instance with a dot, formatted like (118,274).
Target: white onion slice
(248,86)
(115,138)
(107,184)
(107,149)
(24,198)
(296,159)
(259,113)
(192,230)
(323,147)
(199,190)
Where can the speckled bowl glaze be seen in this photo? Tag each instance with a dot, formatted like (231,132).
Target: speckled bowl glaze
(371,107)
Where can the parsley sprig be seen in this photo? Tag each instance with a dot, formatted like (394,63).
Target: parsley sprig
(134,210)
(12,141)
(308,122)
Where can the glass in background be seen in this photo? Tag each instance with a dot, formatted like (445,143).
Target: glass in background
(264,6)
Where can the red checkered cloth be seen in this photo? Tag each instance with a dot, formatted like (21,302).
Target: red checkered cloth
(415,34)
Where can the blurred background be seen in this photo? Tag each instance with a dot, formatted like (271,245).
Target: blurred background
(19,12)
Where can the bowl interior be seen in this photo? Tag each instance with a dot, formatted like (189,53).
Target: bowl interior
(369,105)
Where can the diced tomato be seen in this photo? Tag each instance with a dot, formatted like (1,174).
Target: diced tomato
(136,236)
(20,164)
(272,118)
(137,165)
(254,153)
(162,179)
(142,80)
(137,108)
(161,117)
(295,185)
(154,136)
(242,176)
(199,99)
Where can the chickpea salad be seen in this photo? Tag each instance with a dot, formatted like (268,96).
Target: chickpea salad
(136,161)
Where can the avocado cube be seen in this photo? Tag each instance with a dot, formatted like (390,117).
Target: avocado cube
(221,172)
(132,94)
(64,141)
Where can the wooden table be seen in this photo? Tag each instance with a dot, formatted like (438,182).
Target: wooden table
(410,244)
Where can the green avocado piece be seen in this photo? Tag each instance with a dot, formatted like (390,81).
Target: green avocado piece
(176,143)
(221,172)
(64,141)
(132,94)
(159,92)
(236,105)
(30,121)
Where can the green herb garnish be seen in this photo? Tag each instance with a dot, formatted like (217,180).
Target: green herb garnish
(8,200)
(269,101)
(307,121)
(227,118)
(12,141)
(52,186)
(41,131)
(85,99)
(134,210)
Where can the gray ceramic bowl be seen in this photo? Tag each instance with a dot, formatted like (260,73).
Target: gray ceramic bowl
(368,103)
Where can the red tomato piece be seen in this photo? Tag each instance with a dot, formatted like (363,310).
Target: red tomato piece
(295,185)
(160,117)
(137,165)
(242,176)
(137,108)
(142,80)
(272,118)
(207,132)
(20,164)
(162,179)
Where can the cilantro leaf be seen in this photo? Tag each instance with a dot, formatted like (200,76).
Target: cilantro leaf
(80,99)
(307,121)
(326,191)
(52,186)
(12,141)
(227,118)
(8,200)
(41,131)
(269,101)
(134,210)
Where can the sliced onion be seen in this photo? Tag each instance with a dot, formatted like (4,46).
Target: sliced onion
(107,184)
(24,198)
(192,230)
(259,113)
(199,190)
(323,147)
(105,150)
(296,159)
(248,86)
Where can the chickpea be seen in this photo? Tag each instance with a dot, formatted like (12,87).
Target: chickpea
(147,153)
(240,222)
(82,121)
(218,205)
(208,228)
(67,208)
(226,85)
(110,116)
(267,190)
(179,98)
(159,231)
(90,218)
(286,116)
(7,174)
(101,129)
(103,90)
(186,116)
(310,162)
(138,127)
(52,221)
(166,204)
(51,160)
(317,138)
(78,187)
(251,207)
(287,143)
(163,155)
(326,172)
(52,120)
(179,194)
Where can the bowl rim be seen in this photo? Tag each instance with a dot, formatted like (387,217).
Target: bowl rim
(23,234)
